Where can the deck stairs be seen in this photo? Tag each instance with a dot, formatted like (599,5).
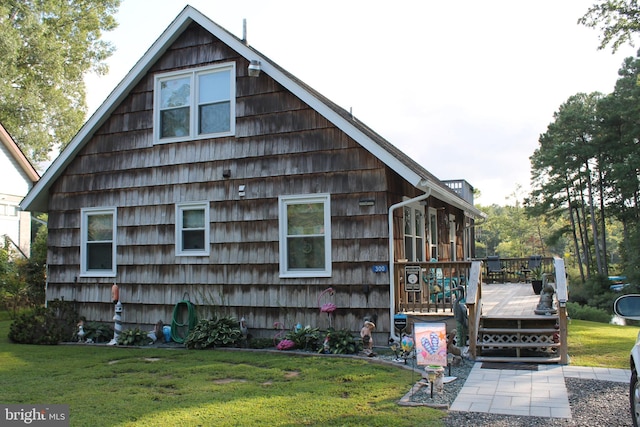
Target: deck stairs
(519,338)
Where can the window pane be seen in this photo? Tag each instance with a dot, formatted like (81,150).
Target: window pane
(306,252)
(100,227)
(99,256)
(214,87)
(175,93)
(419,250)
(193,218)
(174,122)
(193,239)
(305,219)
(407,221)
(419,224)
(408,248)
(215,118)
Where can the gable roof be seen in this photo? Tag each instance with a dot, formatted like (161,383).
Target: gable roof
(17,154)
(412,172)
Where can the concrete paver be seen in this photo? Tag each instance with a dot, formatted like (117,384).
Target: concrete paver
(540,393)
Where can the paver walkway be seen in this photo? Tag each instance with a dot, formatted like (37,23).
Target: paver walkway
(540,393)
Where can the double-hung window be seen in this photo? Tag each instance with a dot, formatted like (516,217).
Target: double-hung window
(195,104)
(98,242)
(414,230)
(192,229)
(305,235)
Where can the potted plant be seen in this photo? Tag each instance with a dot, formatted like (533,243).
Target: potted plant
(536,279)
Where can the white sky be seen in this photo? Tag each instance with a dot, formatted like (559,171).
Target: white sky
(463,87)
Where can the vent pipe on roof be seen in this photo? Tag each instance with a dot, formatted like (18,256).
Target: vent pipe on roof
(244,30)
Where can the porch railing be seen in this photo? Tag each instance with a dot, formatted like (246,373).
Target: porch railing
(515,270)
(430,287)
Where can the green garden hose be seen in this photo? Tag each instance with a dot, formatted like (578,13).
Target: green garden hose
(178,332)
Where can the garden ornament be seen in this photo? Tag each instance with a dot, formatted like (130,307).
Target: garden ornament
(545,306)
(81,332)
(327,307)
(117,318)
(367,338)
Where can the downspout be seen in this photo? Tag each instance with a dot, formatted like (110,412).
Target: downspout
(392,273)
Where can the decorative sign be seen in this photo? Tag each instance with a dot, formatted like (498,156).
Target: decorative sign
(400,322)
(431,343)
(379,268)
(412,275)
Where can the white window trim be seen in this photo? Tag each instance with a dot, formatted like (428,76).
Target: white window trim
(452,237)
(193,116)
(433,245)
(85,213)
(414,235)
(283,202)
(180,207)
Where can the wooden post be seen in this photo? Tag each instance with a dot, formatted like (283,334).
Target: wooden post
(562,295)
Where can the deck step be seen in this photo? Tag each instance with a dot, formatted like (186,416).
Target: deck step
(517,345)
(516,330)
(518,359)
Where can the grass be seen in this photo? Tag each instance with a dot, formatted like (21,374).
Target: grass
(600,344)
(113,386)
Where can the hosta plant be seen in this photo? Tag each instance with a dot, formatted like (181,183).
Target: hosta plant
(216,332)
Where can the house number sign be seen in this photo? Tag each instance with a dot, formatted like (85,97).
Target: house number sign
(379,268)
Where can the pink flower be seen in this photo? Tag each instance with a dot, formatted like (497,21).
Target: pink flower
(285,344)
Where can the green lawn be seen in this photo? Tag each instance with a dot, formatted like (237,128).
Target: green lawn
(111,386)
(600,344)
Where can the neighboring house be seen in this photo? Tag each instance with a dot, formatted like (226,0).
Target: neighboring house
(18,177)
(251,193)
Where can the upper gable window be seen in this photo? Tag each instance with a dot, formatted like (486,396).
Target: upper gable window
(195,104)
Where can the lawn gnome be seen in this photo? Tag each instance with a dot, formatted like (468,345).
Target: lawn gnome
(367,338)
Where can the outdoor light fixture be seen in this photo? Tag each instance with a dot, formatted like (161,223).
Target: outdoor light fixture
(367,202)
(241,191)
(226,173)
(254,68)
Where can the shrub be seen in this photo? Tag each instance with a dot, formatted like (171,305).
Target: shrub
(222,332)
(135,337)
(585,312)
(42,325)
(97,332)
(341,342)
(306,338)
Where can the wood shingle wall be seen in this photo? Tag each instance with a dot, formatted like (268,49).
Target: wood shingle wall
(281,147)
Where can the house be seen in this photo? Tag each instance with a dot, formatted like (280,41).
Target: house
(212,174)
(18,177)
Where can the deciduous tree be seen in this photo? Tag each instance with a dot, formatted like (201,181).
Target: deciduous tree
(47,47)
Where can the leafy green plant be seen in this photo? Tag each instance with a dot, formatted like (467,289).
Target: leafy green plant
(306,338)
(41,325)
(216,332)
(536,273)
(259,343)
(341,342)
(585,312)
(134,337)
(98,332)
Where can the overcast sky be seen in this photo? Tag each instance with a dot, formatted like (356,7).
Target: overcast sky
(465,87)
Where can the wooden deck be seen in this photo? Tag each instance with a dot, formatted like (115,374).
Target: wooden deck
(508,299)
